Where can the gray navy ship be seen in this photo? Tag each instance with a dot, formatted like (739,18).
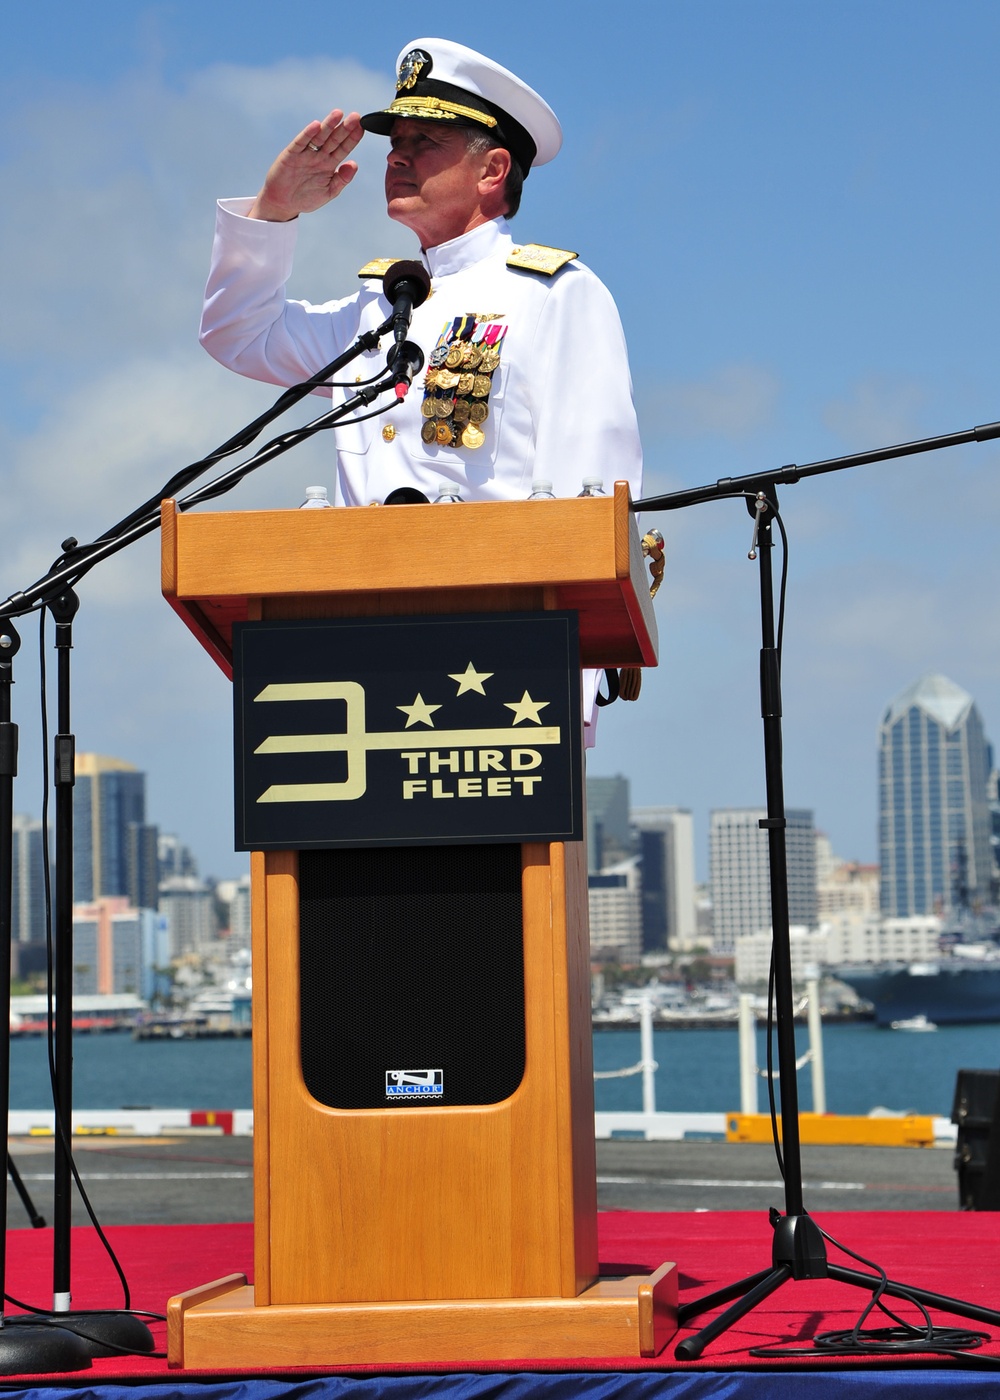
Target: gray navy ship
(960,986)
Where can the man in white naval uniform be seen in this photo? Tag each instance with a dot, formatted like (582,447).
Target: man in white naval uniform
(547,393)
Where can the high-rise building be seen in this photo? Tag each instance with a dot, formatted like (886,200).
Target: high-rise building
(117,948)
(608,834)
(28,897)
(142,864)
(664,839)
(93,944)
(86,950)
(740,873)
(126,950)
(109,796)
(615,899)
(156,972)
(993,798)
(849,888)
(239,915)
(934,819)
(189,908)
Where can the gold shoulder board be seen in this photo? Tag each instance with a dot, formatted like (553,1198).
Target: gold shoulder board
(378,267)
(535,257)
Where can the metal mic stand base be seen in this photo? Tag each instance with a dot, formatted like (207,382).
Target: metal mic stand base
(798,1252)
(30,1349)
(97,1333)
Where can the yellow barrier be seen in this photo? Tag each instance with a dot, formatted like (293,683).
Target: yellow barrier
(830,1129)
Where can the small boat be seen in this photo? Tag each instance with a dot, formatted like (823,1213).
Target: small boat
(913,1023)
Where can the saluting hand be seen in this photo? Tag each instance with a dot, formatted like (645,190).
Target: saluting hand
(312,170)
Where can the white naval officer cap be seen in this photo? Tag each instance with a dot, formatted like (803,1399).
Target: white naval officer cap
(439,80)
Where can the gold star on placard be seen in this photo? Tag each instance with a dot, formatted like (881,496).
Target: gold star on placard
(470,679)
(419,712)
(526,708)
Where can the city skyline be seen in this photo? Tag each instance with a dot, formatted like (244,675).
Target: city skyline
(953,707)
(137,900)
(612,817)
(643,893)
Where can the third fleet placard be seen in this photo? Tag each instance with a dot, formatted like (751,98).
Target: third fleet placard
(407,731)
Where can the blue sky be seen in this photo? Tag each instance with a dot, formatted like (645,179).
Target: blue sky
(796,208)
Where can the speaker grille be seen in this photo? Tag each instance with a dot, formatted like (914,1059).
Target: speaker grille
(411,959)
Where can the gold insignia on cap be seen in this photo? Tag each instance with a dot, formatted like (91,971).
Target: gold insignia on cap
(536,257)
(378,267)
(438,109)
(411,66)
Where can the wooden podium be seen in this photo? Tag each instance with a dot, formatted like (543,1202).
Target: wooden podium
(429,1233)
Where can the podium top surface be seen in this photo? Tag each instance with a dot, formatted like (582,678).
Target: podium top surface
(582,554)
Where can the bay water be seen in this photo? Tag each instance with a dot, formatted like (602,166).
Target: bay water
(698,1070)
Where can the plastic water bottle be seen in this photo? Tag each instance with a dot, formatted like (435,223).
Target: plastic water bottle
(592,486)
(541,491)
(448,495)
(316,499)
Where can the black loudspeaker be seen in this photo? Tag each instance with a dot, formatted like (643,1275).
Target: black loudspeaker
(412,975)
(976,1110)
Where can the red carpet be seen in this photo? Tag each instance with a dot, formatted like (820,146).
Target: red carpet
(958,1255)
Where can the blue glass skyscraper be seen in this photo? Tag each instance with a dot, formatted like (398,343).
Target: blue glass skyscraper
(934,824)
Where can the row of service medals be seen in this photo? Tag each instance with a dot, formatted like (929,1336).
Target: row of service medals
(458,382)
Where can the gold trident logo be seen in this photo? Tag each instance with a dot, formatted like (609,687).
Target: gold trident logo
(357,742)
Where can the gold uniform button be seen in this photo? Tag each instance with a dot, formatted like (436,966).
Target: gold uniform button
(388,432)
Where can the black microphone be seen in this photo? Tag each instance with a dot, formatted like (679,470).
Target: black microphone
(406,496)
(406,361)
(406,286)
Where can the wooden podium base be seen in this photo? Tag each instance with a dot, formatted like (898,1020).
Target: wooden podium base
(218,1326)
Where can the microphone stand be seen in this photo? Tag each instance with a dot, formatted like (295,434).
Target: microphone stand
(37,1343)
(103,1333)
(798,1250)
(25,1348)
(63,610)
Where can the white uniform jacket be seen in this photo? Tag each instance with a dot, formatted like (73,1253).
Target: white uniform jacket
(560,406)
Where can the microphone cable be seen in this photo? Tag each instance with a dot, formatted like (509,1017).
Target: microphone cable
(904,1339)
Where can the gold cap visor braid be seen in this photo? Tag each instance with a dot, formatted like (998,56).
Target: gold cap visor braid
(436,108)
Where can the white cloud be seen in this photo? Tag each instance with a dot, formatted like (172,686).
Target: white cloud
(878,412)
(734,401)
(121,184)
